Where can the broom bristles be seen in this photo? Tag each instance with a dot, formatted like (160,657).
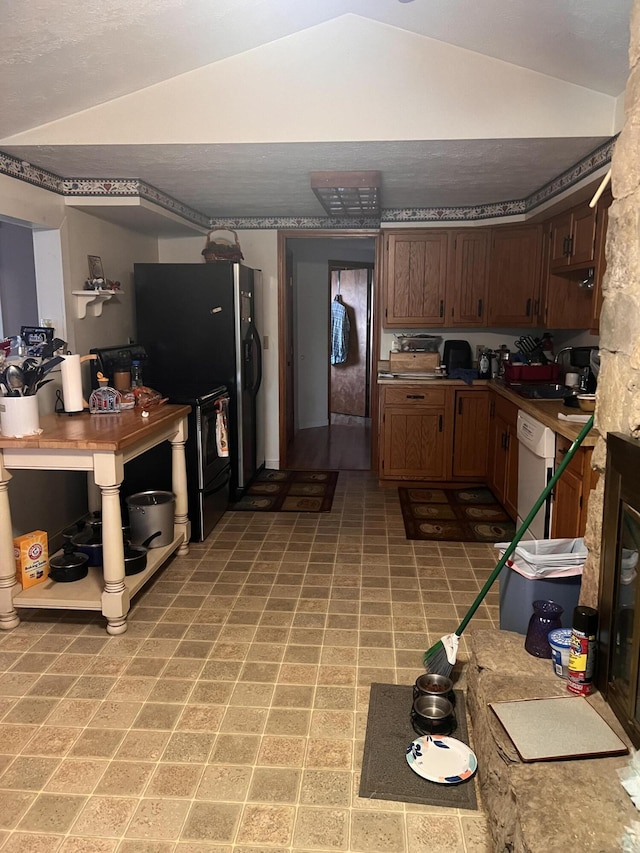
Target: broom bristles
(435,660)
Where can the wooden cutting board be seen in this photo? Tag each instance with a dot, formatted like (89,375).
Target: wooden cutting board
(408,362)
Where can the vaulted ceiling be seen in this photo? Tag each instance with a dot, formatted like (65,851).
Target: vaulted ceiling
(229,105)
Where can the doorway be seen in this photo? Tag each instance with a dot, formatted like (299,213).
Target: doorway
(325,410)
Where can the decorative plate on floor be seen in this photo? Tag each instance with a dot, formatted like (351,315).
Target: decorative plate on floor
(441,759)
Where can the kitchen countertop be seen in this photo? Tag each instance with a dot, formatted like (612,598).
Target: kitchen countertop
(545,411)
(110,433)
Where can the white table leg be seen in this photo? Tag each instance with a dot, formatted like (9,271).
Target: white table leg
(8,615)
(109,473)
(179,484)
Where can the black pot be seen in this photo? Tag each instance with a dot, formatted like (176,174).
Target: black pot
(135,556)
(68,566)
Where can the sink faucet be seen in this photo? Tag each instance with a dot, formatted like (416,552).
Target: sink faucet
(564,349)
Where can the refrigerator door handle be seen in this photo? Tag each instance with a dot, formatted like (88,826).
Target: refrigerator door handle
(253,360)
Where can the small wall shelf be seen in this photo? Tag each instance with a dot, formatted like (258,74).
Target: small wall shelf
(93,299)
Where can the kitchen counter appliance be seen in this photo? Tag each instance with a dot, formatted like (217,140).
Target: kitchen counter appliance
(197,322)
(536,459)
(456,354)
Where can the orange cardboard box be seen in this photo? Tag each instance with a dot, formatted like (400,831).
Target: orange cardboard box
(32,558)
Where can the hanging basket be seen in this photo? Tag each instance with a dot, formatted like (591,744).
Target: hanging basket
(220,249)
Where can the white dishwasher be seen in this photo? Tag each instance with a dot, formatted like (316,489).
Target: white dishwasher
(536,458)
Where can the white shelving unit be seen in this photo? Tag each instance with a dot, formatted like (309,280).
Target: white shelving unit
(93,299)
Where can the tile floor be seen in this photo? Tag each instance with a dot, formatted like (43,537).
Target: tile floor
(231,715)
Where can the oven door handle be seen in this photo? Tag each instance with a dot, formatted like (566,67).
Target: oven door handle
(219,484)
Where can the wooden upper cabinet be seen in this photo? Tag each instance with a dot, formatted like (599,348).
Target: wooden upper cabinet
(573,238)
(563,303)
(469,263)
(514,276)
(416,279)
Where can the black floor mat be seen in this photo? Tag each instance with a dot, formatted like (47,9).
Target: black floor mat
(385,772)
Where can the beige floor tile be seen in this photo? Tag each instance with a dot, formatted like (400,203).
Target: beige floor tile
(235,749)
(475,831)
(326,788)
(433,832)
(175,780)
(124,778)
(76,776)
(266,825)
(115,715)
(377,832)
(97,743)
(189,746)
(13,804)
(105,816)
(332,724)
(329,753)
(247,720)
(28,773)
(200,718)
(143,745)
(52,813)
(73,712)
(224,783)
(321,829)
(75,844)
(274,785)
(26,842)
(158,818)
(211,822)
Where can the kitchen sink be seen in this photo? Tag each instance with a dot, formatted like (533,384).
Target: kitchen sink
(539,391)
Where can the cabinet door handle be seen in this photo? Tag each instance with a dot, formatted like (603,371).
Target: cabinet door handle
(492,409)
(563,451)
(528,308)
(439,423)
(442,307)
(569,246)
(565,246)
(503,441)
(536,307)
(507,440)
(459,405)
(479,307)
(415,396)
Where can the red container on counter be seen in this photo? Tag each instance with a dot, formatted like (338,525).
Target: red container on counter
(531,372)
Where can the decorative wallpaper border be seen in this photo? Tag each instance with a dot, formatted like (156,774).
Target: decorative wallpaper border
(132,188)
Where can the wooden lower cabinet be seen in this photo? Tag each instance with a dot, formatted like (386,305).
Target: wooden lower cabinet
(471,435)
(502,474)
(416,431)
(571,494)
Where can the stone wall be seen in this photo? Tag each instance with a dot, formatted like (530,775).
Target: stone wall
(618,398)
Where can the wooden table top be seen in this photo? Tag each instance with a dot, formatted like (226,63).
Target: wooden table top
(97,432)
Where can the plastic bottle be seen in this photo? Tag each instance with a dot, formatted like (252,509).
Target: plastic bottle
(582,650)
(136,374)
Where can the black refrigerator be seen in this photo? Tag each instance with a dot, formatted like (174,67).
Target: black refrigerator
(197,323)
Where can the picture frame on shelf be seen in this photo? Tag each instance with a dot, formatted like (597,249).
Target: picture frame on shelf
(95,267)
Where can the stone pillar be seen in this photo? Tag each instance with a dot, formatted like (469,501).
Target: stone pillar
(618,398)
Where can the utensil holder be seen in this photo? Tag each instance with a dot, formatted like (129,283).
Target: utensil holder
(19,416)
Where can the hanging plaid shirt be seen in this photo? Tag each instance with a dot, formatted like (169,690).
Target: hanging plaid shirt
(340,328)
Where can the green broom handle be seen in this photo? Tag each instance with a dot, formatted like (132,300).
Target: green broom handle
(525,525)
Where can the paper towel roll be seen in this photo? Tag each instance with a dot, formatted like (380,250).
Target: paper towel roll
(72,383)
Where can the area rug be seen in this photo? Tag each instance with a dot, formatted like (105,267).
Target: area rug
(289,491)
(454,515)
(385,772)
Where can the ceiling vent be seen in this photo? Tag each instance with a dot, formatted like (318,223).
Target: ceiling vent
(348,193)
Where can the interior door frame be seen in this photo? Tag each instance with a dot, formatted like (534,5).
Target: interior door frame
(317,234)
(353,265)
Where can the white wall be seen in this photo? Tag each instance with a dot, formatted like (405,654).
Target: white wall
(271,94)
(62,239)
(311,330)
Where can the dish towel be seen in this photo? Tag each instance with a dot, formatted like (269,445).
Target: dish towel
(222,438)
(340,328)
(466,374)
(576,419)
